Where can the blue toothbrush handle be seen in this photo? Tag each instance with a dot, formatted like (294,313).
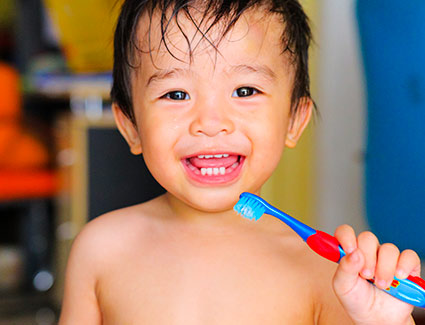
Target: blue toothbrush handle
(410,290)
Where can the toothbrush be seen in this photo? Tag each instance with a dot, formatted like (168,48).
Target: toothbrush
(250,206)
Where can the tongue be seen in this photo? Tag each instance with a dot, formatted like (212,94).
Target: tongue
(214,162)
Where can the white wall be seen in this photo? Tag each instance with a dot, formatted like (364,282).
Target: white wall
(340,130)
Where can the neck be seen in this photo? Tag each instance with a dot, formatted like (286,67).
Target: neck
(190,216)
(212,222)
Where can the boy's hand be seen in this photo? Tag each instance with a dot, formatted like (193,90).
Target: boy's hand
(367,259)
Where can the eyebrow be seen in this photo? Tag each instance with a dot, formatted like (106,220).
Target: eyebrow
(166,73)
(264,70)
(260,69)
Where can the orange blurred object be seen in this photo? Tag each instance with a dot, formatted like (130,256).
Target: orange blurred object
(25,152)
(8,131)
(23,159)
(18,148)
(27,184)
(10,97)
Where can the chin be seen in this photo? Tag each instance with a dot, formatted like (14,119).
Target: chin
(212,200)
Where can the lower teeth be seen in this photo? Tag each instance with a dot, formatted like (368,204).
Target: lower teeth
(212,171)
(217,171)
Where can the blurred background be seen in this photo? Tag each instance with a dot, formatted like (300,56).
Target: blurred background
(361,162)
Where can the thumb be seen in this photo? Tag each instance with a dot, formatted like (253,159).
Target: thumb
(347,279)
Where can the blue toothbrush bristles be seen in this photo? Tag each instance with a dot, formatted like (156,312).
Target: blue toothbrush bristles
(250,209)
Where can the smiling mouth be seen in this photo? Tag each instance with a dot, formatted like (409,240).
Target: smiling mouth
(213,168)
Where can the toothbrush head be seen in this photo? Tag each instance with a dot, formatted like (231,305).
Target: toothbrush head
(250,206)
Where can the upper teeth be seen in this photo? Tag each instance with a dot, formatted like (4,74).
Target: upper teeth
(225,155)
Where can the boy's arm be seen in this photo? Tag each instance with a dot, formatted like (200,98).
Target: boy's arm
(328,308)
(80,304)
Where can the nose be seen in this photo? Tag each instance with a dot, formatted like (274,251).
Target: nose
(211,118)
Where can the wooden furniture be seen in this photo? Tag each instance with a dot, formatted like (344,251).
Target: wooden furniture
(97,174)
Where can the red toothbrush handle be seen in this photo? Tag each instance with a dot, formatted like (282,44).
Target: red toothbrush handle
(325,245)
(328,246)
(417,280)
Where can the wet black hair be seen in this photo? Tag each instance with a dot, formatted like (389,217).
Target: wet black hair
(296,37)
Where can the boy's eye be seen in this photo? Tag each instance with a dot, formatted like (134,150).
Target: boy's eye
(176,95)
(244,92)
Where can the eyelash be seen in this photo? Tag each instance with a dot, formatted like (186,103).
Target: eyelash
(169,94)
(251,91)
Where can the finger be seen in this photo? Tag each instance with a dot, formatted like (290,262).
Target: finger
(368,244)
(388,256)
(347,238)
(408,263)
(347,275)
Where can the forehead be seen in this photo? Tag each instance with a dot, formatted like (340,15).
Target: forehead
(190,38)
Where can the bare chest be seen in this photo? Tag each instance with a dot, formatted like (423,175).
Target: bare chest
(204,286)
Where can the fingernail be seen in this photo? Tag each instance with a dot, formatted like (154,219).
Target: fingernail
(382,284)
(401,274)
(354,256)
(349,250)
(367,273)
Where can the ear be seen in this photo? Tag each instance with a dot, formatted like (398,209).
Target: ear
(299,122)
(128,130)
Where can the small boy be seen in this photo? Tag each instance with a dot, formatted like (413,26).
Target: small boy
(211,92)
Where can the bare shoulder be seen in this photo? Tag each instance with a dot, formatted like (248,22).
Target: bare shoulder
(114,231)
(327,308)
(101,245)
(313,274)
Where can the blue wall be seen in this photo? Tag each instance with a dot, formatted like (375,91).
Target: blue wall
(392,35)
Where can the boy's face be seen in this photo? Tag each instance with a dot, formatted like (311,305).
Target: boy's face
(233,104)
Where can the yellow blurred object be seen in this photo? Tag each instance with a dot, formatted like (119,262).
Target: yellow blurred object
(85,31)
(7,13)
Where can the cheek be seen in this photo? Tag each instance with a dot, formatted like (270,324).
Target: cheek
(154,130)
(268,141)
(157,143)
(268,153)
(271,130)
(158,146)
